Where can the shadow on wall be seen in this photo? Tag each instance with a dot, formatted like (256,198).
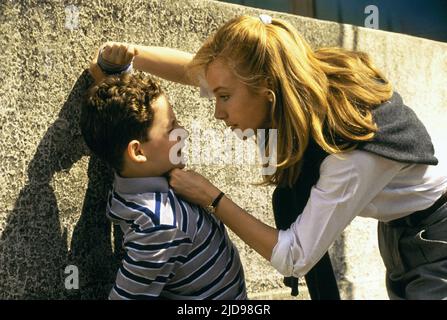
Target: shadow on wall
(91,245)
(33,248)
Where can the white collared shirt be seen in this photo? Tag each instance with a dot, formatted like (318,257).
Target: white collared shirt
(355,183)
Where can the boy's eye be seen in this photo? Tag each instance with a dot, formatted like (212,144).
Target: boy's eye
(224,97)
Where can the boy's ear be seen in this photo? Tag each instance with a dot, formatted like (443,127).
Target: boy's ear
(135,151)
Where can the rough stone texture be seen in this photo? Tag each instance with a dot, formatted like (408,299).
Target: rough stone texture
(52,194)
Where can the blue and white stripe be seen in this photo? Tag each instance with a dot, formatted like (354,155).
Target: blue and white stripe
(174,249)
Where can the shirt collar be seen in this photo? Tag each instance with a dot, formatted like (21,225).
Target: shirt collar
(141,185)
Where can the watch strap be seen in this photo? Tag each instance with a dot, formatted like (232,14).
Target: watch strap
(216,201)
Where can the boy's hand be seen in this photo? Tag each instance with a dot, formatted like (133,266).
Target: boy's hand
(118,53)
(114,53)
(95,70)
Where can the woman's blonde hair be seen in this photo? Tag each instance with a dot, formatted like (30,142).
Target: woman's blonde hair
(326,95)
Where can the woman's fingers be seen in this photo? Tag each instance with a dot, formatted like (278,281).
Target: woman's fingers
(121,56)
(177,180)
(175,177)
(130,53)
(106,50)
(192,186)
(114,54)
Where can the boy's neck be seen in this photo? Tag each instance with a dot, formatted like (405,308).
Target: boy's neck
(140,184)
(129,173)
(123,174)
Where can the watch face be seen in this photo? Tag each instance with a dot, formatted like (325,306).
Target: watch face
(210,209)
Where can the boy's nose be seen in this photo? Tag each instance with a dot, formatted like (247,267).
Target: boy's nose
(219,113)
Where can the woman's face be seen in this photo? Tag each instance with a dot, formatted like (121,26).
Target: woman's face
(236,105)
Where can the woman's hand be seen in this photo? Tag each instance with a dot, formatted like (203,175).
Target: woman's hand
(196,189)
(193,187)
(115,53)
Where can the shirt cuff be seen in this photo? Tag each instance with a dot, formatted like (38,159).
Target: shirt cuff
(281,258)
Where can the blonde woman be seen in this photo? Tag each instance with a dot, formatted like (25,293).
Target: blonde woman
(347,146)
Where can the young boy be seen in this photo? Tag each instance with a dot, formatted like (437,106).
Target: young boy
(174,249)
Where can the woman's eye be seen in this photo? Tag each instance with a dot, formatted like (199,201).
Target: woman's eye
(224,98)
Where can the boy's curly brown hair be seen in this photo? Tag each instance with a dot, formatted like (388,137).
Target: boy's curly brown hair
(116,111)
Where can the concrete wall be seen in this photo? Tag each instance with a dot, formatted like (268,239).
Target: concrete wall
(52,193)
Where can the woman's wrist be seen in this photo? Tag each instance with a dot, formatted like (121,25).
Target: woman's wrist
(210,195)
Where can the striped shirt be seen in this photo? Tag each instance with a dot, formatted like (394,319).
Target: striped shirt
(173,249)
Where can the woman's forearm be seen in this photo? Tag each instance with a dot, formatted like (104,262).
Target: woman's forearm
(259,236)
(193,187)
(166,63)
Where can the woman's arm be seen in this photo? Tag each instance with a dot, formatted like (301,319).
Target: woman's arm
(195,188)
(166,63)
(259,236)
